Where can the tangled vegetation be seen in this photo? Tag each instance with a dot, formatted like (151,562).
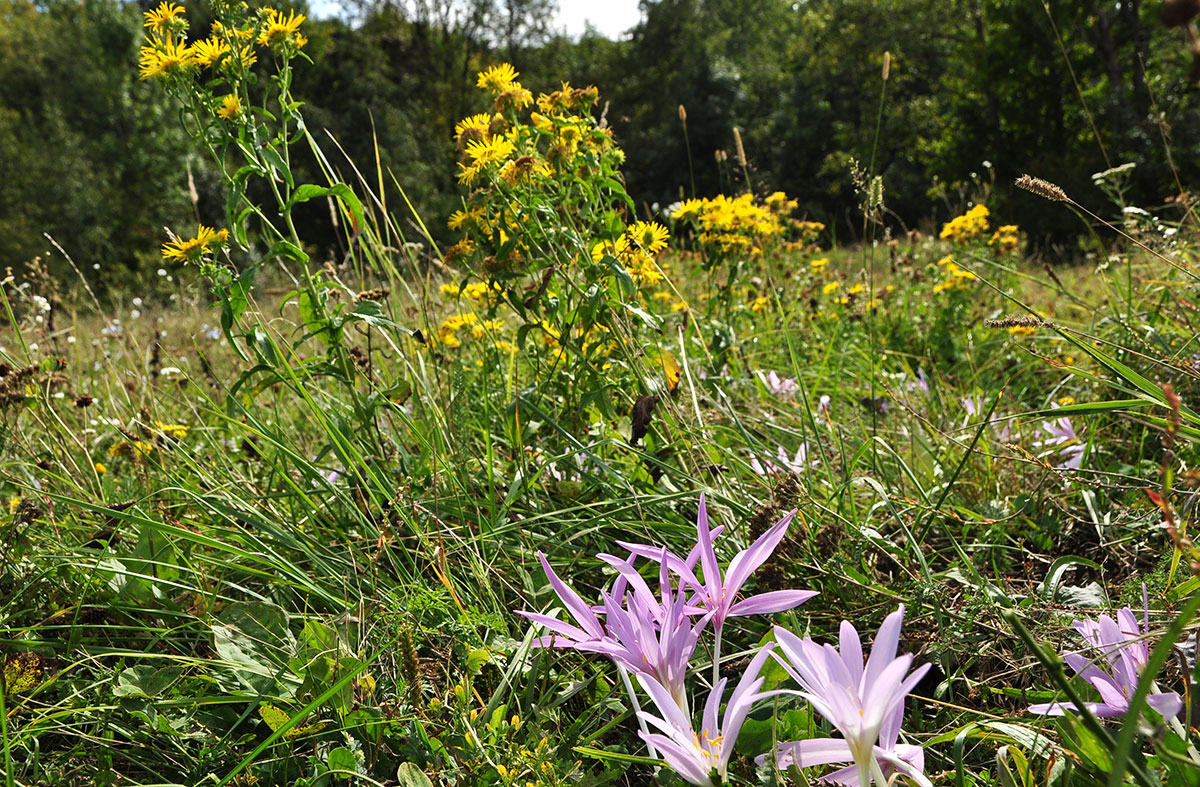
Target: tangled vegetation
(581,497)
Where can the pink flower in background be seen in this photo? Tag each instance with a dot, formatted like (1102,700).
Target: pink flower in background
(795,464)
(778,386)
(1124,646)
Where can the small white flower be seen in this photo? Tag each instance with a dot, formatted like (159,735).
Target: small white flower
(170,371)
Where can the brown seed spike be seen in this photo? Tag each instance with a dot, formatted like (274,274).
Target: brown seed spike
(1043,188)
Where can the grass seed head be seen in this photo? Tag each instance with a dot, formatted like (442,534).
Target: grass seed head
(1043,188)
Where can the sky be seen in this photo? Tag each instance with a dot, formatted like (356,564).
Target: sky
(612,18)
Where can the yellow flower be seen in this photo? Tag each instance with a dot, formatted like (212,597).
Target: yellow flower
(1066,400)
(649,235)
(760,304)
(14,503)
(831,287)
(479,291)
(164,59)
(174,431)
(487,327)
(855,290)
(161,20)
(474,126)
(282,30)
(191,249)
(135,450)
(498,78)
(457,321)
(231,107)
(450,290)
(819,265)
(100,468)
(1006,238)
(209,51)
(689,207)
(516,97)
(969,226)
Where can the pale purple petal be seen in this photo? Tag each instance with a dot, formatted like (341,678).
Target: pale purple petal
(1168,704)
(773,601)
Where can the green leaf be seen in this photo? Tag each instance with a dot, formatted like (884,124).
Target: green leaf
(476,660)
(409,775)
(277,163)
(342,759)
(145,681)
(347,197)
(285,250)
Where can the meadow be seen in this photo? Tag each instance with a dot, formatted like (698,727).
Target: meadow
(597,494)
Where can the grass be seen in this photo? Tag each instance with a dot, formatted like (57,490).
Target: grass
(279,539)
(177,597)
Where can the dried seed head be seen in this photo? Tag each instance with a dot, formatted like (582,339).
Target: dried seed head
(887,64)
(1016,322)
(1043,188)
(682,114)
(741,151)
(409,664)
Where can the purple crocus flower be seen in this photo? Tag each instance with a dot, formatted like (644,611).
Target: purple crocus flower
(696,755)
(865,704)
(588,630)
(1060,432)
(795,464)
(650,638)
(1125,647)
(719,592)
(778,386)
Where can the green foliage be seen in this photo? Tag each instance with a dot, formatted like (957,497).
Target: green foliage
(91,155)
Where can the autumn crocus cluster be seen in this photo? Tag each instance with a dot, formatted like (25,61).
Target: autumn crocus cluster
(653,635)
(1122,647)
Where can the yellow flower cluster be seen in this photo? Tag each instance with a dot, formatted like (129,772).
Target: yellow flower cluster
(472,328)
(954,276)
(967,227)
(1007,239)
(167,53)
(174,431)
(742,224)
(191,249)
(516,164)
(636,249)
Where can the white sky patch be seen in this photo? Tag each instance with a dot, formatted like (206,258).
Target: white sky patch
(611,18)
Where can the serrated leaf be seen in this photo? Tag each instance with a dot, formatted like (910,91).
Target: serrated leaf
(476,660)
